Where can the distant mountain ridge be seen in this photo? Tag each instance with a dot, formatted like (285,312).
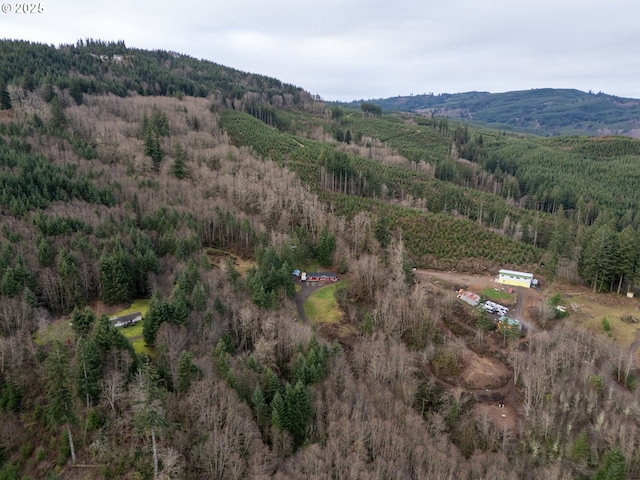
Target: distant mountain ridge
(545,111)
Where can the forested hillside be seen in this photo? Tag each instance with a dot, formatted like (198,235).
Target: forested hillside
(191,191)
(543,111)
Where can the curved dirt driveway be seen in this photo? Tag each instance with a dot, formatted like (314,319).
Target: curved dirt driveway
(302,296)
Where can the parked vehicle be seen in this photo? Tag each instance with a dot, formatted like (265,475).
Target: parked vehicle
(489,308)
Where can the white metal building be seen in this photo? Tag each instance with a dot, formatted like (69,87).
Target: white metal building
(518,279)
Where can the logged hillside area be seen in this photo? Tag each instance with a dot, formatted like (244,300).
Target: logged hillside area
(149,183)
(545,111)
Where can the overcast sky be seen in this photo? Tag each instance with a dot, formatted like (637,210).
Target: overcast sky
(364,49)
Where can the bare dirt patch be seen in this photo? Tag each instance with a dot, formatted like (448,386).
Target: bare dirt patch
(483,372)
(216,256)
(6,115)
(505,418)
(100,308)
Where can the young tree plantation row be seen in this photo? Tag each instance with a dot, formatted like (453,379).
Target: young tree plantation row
(151,185)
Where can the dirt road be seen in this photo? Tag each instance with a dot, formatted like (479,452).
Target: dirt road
(302,296)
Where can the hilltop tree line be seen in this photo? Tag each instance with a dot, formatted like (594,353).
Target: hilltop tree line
(112,67)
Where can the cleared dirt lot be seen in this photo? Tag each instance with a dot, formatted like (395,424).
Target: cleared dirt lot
(490,378)
(485,375)
(528,298)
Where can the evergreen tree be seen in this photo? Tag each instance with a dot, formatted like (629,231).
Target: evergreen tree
(381,232)
(149,407)
(267,280)
(59,407)
(153,128)
(75,90)
(271,384)
(179,168)
(580,448)
(72,293)
(558,244)
(5,98)
(116,276)
(159,122)
(187,371)
(300,370)
(159,312)
(107,337)
(58,120)
(278,412)
(179,308)
(153,148)
(10,286)
(27,80)
(82,321)
(612,467)
(47,89)
(199,298)
(260,407)
(89,369)
(325,247)
(627,257)
(598,256)
(299,410)
(45,252)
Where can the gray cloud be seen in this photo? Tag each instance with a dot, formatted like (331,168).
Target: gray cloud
(355,49)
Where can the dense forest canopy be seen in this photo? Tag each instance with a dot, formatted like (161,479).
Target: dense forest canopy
(94,66)
(154,183)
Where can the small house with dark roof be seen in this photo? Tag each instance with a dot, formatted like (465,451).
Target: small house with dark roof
(126,320)
(322,277)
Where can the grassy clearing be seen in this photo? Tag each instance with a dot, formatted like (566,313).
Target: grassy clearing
(140,347)
(594,307)
(134,332)
(505,298)
(61,330)
(322,307)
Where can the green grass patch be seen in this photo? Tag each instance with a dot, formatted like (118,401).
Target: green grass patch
(322,306)
(504,298)
(134,335)
(134,332)
(140,347)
